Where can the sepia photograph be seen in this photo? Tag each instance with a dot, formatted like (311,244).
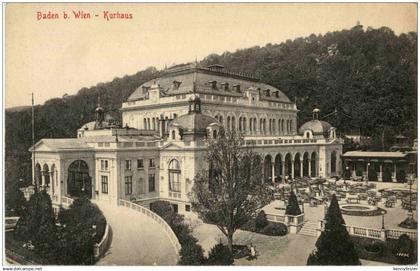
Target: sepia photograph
(210,134)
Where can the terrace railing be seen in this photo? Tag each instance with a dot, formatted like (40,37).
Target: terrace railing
(100,248)
(381,234)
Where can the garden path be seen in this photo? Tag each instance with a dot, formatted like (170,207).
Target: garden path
(137,239)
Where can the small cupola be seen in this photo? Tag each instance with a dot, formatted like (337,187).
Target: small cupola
(315,113)
(194,105)
(99,112)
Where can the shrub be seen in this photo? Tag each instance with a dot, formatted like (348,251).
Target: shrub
(191,253)
(334,246)
(15,201)
(275,229)
(404,250)
(77,235)
(249,226)
(220,255)
(292,205)
(261,221)
(375,247)
(38,225)
(163,209)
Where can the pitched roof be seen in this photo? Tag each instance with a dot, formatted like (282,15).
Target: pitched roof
(185,79)
(63,143)
(363,154)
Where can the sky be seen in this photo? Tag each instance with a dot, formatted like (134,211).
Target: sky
(53,57)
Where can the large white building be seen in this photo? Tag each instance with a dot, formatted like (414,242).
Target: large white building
(161,144)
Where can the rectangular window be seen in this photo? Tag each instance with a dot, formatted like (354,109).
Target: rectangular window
(152,183)
(152,163)
(127,164)
(128,185)
(104,184)
(140,164)
(187,208)
(104,164)
(174,180)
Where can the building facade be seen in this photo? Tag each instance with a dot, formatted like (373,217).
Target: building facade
(160,146)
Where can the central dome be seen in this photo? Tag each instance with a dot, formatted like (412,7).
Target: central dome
(317,127)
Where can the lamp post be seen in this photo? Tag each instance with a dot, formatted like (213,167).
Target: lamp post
(410,210)
(409,222)
(367,173)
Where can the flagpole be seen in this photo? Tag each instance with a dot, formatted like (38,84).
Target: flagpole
(33,145)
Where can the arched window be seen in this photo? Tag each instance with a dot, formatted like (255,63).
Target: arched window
(214,134)
(228,123)
(244,124)
(173,134)
(250,125)
(174,176)
(144,123)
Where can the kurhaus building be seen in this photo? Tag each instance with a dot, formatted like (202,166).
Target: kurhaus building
(160,145)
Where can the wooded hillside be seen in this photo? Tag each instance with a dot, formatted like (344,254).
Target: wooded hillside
(368,76)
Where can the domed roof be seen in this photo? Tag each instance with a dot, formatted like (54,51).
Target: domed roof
(195,122)
(316,126)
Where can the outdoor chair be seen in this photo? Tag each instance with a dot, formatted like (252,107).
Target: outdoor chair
(389,204)
(372,201)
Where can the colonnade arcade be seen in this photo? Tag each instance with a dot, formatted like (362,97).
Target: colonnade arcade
(78,181)
(46,176)
(290,165)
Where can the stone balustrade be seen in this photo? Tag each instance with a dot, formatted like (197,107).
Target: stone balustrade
(381,234)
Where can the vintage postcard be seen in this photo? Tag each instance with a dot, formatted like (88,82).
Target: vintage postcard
(210,134)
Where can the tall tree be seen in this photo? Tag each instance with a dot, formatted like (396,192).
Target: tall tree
(334,246)
(231,191)
(38,225)
(292,207)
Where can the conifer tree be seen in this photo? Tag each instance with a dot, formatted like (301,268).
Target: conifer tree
(334,246)
(292,207)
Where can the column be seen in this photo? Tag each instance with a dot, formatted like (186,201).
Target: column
(293,169)
(273,172)
(301,167)
(367,168)
(354,169)
(380,171)
(52,182)
(309,167)
(282,170)
(42,178)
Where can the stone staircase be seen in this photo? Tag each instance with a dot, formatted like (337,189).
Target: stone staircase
(309,228)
